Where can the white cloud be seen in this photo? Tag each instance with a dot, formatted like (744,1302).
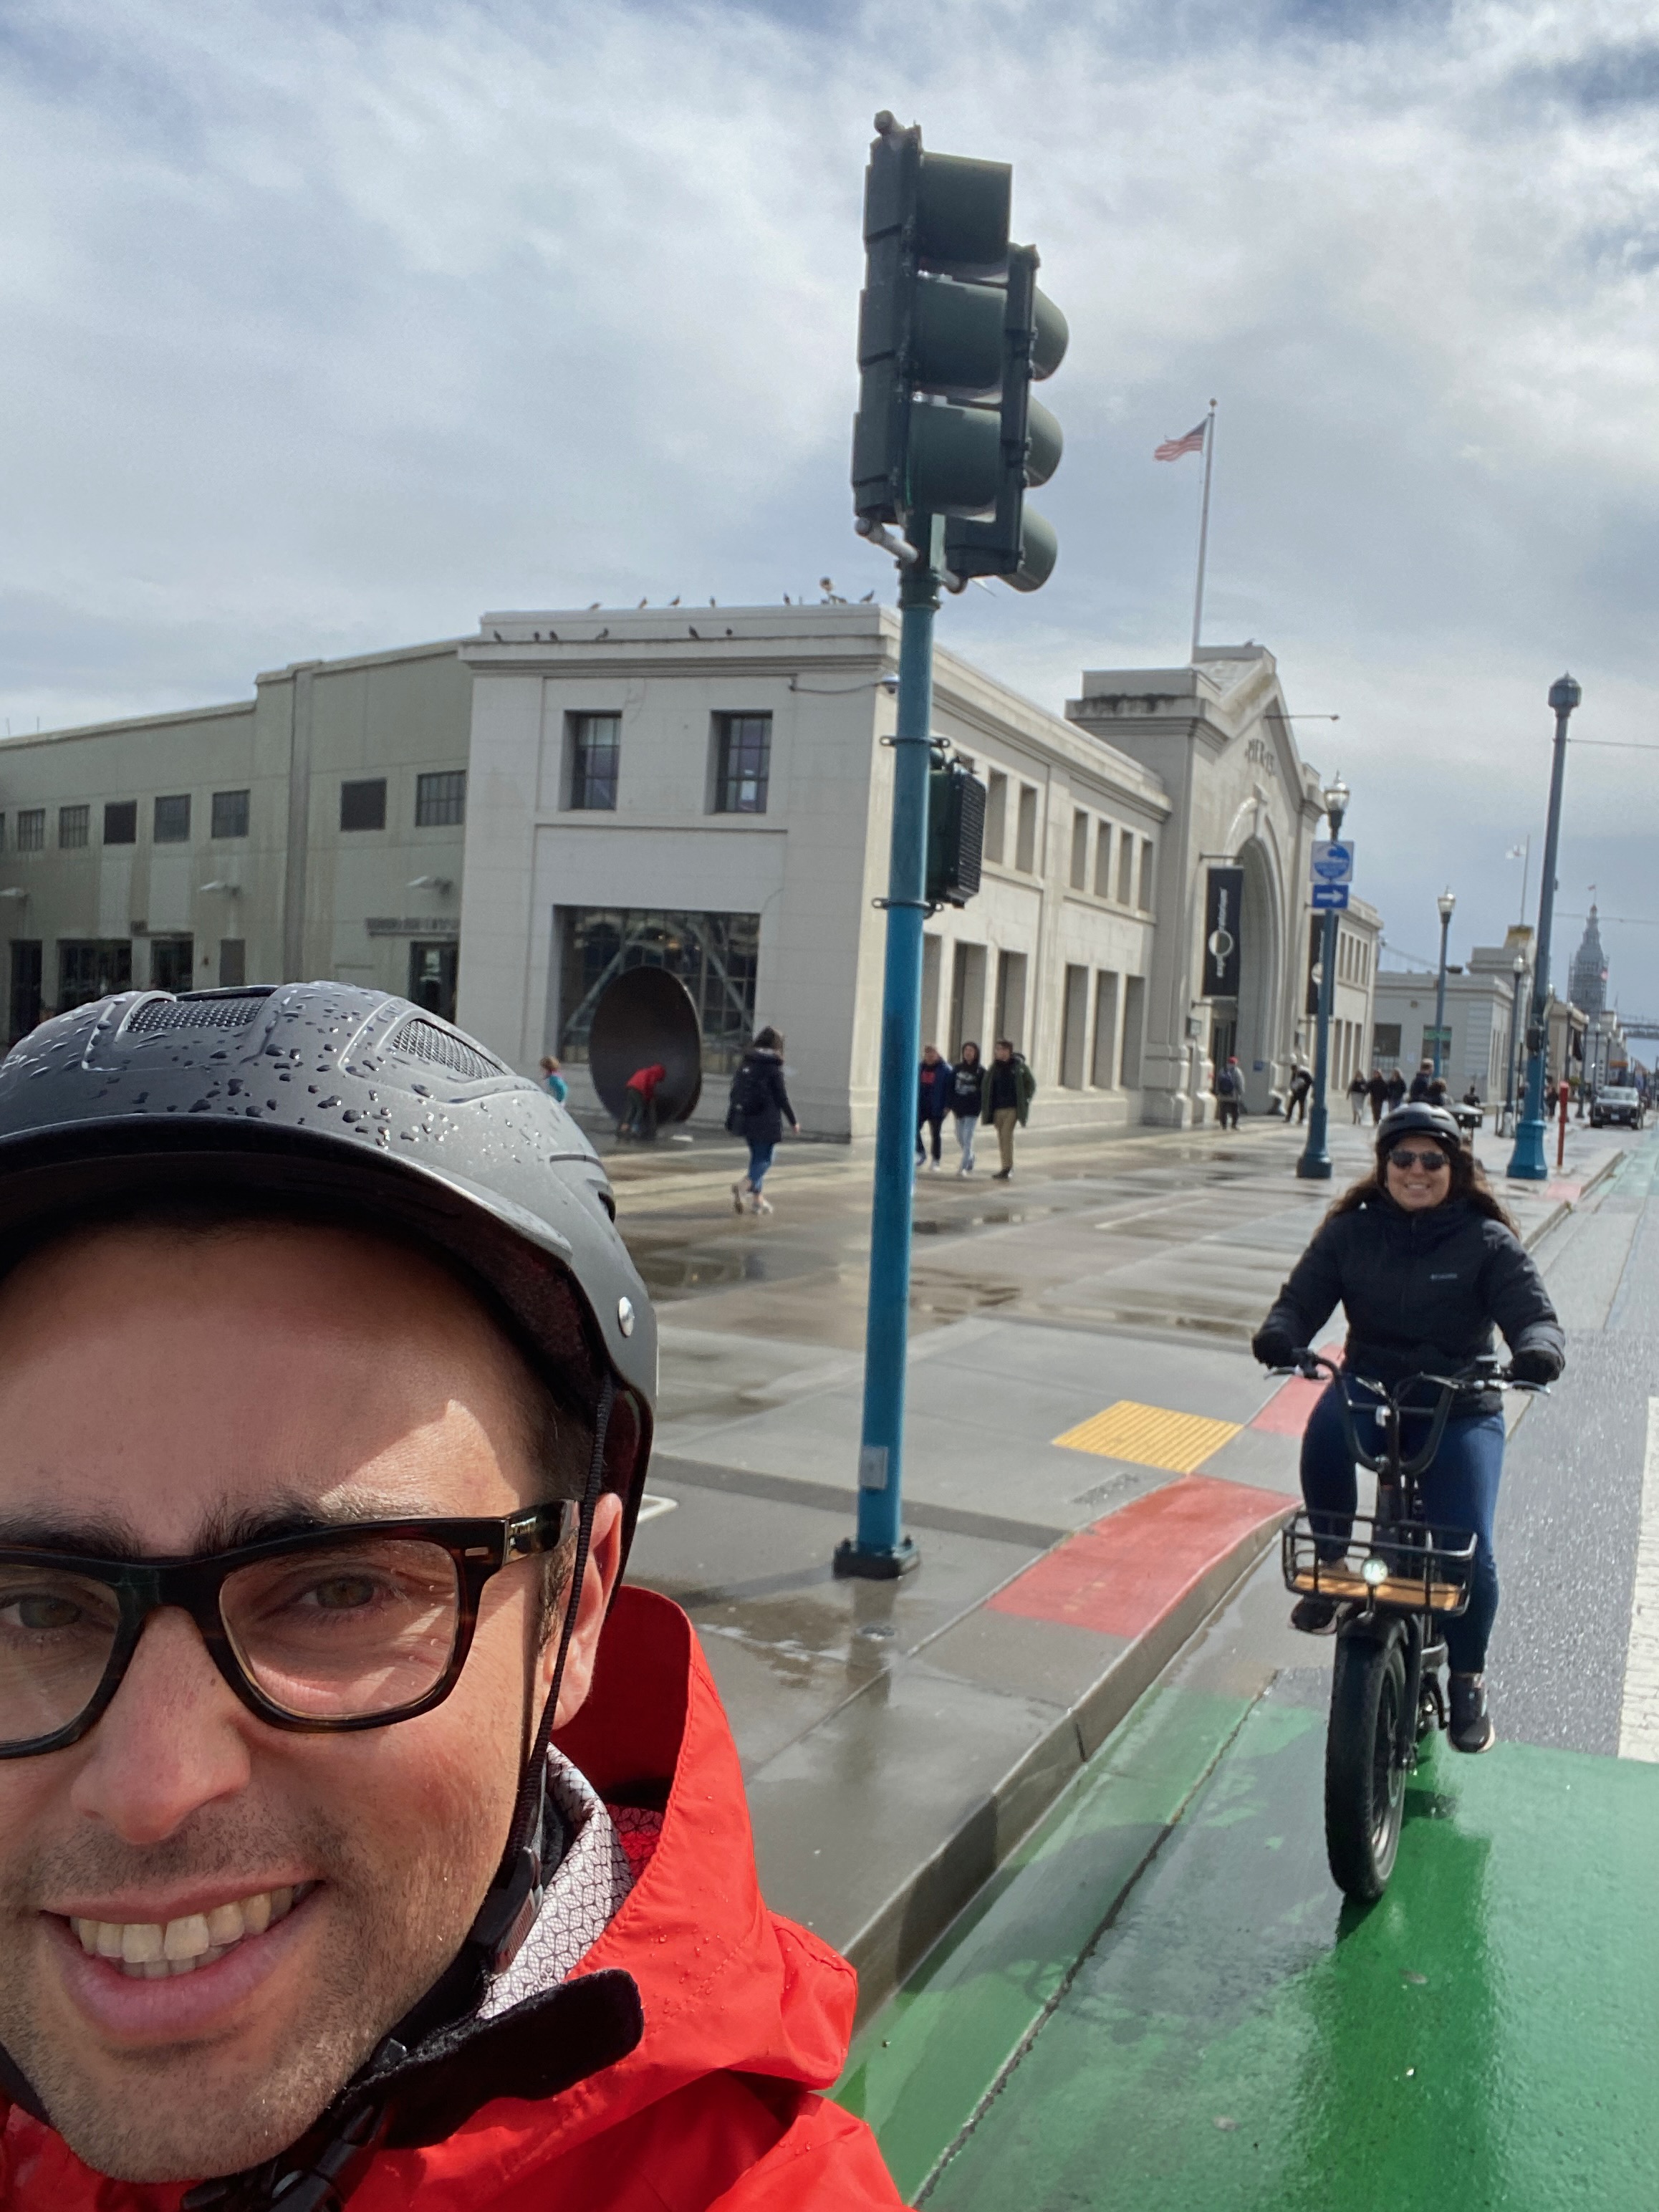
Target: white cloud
(330,325)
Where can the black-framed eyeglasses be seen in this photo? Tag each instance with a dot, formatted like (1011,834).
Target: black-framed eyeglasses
(1431,1159)
(352,1627)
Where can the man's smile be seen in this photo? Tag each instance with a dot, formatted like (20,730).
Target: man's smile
(152,1950)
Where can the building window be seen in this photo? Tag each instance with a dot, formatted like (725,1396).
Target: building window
(1145,901)
(233,963)
(432,972)
(1026,834)
(1074,1026)
(171,963)
(172,825)
(595,753)
(1385,1045)
(441,798)
(230,814)
(362,805)
(742,760)
(1079,852)
(25,985)
(91,967)
(30,828)
(996,816)
(1125,867)
(74,827)
(715,956)
(121,822)
(1103,860)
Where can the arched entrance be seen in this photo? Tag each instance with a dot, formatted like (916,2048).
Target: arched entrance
(1250,1024)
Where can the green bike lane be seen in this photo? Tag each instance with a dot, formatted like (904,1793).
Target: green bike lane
(1166,2003)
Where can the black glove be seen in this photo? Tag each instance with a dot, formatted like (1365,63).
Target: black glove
(1274,1347)
(1538,1366)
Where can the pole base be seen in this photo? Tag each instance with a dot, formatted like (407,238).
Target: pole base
(1527,1163)
(1314,1170)
(876,1566)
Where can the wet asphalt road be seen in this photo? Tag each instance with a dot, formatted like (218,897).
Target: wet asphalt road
(1571,1502)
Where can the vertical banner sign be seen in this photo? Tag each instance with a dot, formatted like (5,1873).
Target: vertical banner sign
(1223,897)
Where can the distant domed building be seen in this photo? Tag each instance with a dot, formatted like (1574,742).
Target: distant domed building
(1586,985)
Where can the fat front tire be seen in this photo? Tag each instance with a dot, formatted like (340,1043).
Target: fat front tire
(1364,1782)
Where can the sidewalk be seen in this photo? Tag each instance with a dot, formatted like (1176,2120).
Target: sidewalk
(1093,1462)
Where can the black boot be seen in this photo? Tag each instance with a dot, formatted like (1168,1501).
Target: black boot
(1315,1616)
(1471,1723)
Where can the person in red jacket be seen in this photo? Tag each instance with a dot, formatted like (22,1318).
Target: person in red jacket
(361,1841)
(639,1114)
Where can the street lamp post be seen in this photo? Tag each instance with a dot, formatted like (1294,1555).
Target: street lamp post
(1527,1162)
(1314,1164)
(1511,1072)
(1446,902)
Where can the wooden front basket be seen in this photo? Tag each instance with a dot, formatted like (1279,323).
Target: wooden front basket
(1428,1568)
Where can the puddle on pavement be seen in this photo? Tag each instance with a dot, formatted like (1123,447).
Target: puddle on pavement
(678,1274)
(952,1301)
(995,1217)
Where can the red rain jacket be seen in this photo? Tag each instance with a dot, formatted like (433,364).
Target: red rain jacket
(746,2016)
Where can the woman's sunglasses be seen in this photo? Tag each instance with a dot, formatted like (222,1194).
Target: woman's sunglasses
(1431,1162)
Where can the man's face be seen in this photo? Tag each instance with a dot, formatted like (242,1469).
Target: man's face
(171,1393)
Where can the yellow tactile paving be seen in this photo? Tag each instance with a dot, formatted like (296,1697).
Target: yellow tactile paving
(1150,1435)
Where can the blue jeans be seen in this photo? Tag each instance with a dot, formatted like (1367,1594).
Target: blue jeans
(1459,1490)
(760,1158)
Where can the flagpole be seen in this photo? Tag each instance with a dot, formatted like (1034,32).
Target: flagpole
(1203,529)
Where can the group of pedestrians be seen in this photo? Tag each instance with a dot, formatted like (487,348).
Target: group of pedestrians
(997,1095)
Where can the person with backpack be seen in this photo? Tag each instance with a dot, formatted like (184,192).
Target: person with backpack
(933,1103)
(967,1096)
(1010,1087)
(1229,1094)
(758,1109)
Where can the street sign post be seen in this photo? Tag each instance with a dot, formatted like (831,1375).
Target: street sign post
(952,334)
(1331,870)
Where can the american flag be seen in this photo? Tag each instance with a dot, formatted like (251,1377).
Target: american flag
(1173,448)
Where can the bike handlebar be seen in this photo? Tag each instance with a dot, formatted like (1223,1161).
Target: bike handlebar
(1484,1375)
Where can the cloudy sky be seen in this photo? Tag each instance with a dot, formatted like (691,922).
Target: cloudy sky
(328,326)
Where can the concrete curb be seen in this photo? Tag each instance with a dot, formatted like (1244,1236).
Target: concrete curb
(899,1933)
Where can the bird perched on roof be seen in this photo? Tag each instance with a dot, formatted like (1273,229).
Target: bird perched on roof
(597,605)
(642,603)
(697,634)
(865,600)
(675,601)
(832,598)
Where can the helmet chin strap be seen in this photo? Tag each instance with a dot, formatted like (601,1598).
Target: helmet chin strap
(513,1899)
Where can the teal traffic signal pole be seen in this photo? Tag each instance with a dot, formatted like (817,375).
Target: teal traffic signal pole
(1315,1164)
(881,1551)
(1527,1162)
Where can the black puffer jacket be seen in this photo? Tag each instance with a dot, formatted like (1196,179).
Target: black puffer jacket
(1421,1291)
(765,1103)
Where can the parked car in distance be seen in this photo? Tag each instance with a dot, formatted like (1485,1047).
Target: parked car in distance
(1615,1107)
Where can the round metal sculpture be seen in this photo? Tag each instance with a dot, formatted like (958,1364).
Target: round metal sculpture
(645,1016)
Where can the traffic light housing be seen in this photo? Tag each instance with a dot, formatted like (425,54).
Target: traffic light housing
(955,832)
(952,333)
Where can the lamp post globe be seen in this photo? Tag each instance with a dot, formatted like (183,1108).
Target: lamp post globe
(1527,1162)
(1315,1164)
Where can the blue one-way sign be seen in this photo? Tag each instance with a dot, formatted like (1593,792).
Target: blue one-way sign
(1329,898)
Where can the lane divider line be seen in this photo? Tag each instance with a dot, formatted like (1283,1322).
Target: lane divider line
(1638,1716)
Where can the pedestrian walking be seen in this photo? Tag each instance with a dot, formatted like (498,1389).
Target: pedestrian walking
(1377,1091)
(759,1108)
(639,1114)
(1301,1084)
(1010,1087)
(1358,1092)
(1395,1090)
(1421,1083)
(933,1090)
(1229,1088)
(967,1098)
(553,1080)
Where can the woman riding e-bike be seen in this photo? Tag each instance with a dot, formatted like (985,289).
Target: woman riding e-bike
(1423,1260)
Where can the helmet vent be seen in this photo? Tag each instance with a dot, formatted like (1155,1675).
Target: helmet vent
(214,1013)
(420,1039)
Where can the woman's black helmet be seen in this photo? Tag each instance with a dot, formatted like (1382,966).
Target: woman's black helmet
(1418,1121)
(347,1103)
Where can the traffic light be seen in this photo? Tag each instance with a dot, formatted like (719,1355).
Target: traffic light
(955,832)
(952,332)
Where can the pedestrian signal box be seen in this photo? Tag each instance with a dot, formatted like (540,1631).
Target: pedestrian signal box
(956,833)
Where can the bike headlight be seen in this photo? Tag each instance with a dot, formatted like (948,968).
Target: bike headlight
(1374,1573)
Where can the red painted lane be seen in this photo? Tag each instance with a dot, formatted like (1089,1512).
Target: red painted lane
(1128,1570)
(1286,1413)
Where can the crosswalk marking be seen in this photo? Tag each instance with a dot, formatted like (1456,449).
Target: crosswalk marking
(1150,1435)
(1638,1718)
